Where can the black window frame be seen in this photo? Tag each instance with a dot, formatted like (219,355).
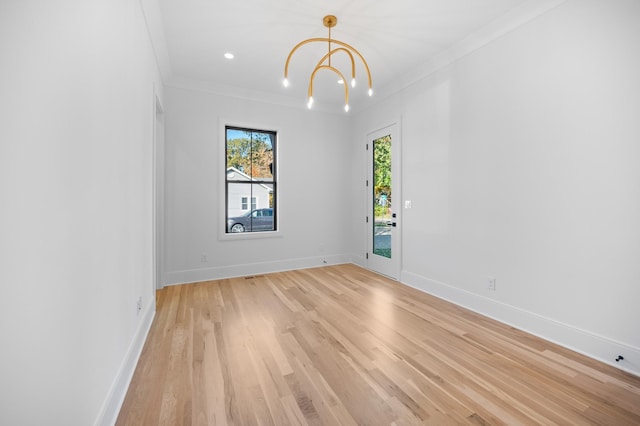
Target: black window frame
(273,182)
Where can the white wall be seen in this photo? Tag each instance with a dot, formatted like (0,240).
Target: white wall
(76,111)
(522,163)
(313,192)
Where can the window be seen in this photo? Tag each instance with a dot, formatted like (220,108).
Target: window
(250,180)
(245,205)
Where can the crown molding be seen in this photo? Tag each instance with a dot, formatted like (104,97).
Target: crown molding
(249,94)
(510,21)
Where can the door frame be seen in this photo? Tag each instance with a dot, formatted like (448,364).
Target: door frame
(388,267)
(158,179)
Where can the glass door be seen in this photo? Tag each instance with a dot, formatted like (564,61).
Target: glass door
(383,181)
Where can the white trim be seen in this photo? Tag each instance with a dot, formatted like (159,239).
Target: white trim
(111,407)
(257,235)
(389,267)
(241,270)
(158,187)
(512,20)
(271,98)
(359,261)
(236,92)
(584,342)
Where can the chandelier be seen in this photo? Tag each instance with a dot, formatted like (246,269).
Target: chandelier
(330,21)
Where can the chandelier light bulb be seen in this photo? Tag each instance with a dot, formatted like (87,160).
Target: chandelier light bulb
(353,82)
(346,108)
(285,82)
(370,92)
(310,103)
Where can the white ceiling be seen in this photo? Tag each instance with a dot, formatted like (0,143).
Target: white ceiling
(395,37)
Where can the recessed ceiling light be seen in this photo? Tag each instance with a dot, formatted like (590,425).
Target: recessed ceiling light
(228,55)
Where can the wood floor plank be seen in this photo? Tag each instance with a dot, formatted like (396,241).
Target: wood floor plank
(340,345)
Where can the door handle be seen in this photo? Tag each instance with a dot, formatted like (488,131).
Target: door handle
(393,224)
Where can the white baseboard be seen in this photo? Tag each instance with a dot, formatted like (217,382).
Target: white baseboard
(216,273)
(359,260)
(111,407)
(592,345)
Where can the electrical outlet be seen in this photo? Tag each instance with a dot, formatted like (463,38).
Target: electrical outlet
(139,305)
(492,284)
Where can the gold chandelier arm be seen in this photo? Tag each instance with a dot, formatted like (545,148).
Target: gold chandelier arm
(313,76)
(324,39)
(296,47)
(328,55)
(364,62)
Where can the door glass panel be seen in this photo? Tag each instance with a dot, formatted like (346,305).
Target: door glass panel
(382,196)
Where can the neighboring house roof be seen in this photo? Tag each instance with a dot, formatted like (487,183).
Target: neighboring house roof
(246,177)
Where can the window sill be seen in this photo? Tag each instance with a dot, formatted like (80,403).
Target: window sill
(241,236)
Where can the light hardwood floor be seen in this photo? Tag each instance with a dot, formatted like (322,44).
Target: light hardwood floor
(340,345)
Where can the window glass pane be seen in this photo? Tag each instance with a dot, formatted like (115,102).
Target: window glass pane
(258,219)
(262,157)
(251,152)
